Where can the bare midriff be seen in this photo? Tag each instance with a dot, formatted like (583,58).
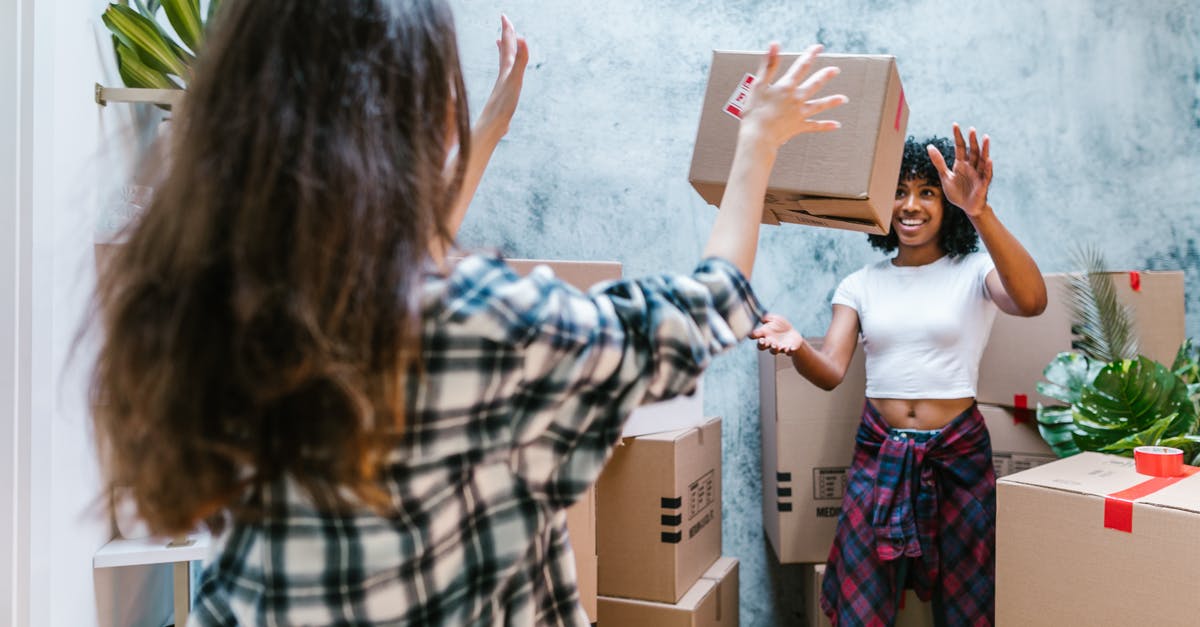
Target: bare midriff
(925,414)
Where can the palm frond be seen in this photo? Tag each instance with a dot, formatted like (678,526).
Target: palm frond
(1103,325)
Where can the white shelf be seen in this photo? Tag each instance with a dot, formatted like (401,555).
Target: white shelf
(122,552)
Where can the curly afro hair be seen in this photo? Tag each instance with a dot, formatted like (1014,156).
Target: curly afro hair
(957,235)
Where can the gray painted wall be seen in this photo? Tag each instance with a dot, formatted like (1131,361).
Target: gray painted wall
(1093,108)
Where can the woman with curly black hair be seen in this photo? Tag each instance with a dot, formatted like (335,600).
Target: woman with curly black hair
(920,504)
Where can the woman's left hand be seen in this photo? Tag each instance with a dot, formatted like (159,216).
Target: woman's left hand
(966,185)
(514,55)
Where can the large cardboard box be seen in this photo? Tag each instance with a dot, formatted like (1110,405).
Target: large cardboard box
(844,179)
(711,602)
(1071,550)
(914,613)
(659,513)
(808,444)
(581,529)
(1020,348)
(1016,443)
(678,413)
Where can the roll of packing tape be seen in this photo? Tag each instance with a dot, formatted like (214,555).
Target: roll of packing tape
(1158,461)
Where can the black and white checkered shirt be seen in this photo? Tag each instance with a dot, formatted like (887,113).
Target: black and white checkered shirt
(527,383)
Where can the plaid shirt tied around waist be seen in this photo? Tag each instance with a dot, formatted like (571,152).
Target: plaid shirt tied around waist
(526,386)
(918,513)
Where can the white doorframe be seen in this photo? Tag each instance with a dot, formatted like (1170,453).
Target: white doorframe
(25,447)
(15,365)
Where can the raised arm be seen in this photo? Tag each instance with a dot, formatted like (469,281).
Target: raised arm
(491,126)
(1016,286)
(776,111)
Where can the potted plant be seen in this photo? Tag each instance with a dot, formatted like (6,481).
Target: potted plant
(1113,398)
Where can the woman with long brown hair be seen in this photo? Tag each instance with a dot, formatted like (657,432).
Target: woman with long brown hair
(375,434)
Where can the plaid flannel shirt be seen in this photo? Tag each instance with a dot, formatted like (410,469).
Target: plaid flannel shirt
(924,508)
(526,385)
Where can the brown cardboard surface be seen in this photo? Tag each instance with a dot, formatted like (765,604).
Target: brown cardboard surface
(711,602)
(659,513)
(581,529)
(915,613)
(1019,349)
(580,274)
(844,179)
(1058,565)
(1016,443)
(808,443)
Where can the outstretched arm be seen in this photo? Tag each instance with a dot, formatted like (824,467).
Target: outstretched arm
(824,367)
(1017,286)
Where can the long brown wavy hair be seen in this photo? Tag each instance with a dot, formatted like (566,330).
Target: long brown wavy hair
(262,320)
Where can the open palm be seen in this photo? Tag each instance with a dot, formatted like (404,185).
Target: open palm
(966,184)
(776,334)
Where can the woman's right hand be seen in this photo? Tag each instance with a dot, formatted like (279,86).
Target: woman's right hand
(777,110)
(776,334)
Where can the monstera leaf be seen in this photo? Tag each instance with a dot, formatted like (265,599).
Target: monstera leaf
(1066,377)
(1133,402)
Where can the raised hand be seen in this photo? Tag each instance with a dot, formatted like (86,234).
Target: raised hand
(781,109)
(502,103)
(776,334)
(966,185)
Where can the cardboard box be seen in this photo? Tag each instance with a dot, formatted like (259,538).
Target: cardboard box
(680,412)
(1019,349)
(659,513)
(581,528)
(1016,443)
(845,179)
(1057,563)
(711,602)
(914,613)
(808,444)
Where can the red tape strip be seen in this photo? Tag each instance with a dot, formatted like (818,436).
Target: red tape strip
(1118,506)
(1135,281)
(899,108)
(1021,412)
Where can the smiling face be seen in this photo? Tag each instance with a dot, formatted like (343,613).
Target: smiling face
(917,213)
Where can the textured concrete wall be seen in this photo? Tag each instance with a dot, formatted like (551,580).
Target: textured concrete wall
(1093,107)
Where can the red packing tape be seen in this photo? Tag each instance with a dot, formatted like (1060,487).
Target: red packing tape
(1118,506)
(1158,461)
(1135,281)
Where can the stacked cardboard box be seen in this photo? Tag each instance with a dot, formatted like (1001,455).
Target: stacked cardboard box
(808,443)
(659,531)
(845,179)
(1087,540)
(673,414)
(711,602)
(1019,349)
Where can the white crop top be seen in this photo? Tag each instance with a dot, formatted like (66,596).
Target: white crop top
(923,327)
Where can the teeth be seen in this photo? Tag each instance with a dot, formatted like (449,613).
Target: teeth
(911,222)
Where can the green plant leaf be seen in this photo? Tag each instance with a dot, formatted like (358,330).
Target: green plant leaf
(184,16)
(1103,325)
(1132,398)
(1067,375)
(135,74)
(143,36)
(1057,429)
